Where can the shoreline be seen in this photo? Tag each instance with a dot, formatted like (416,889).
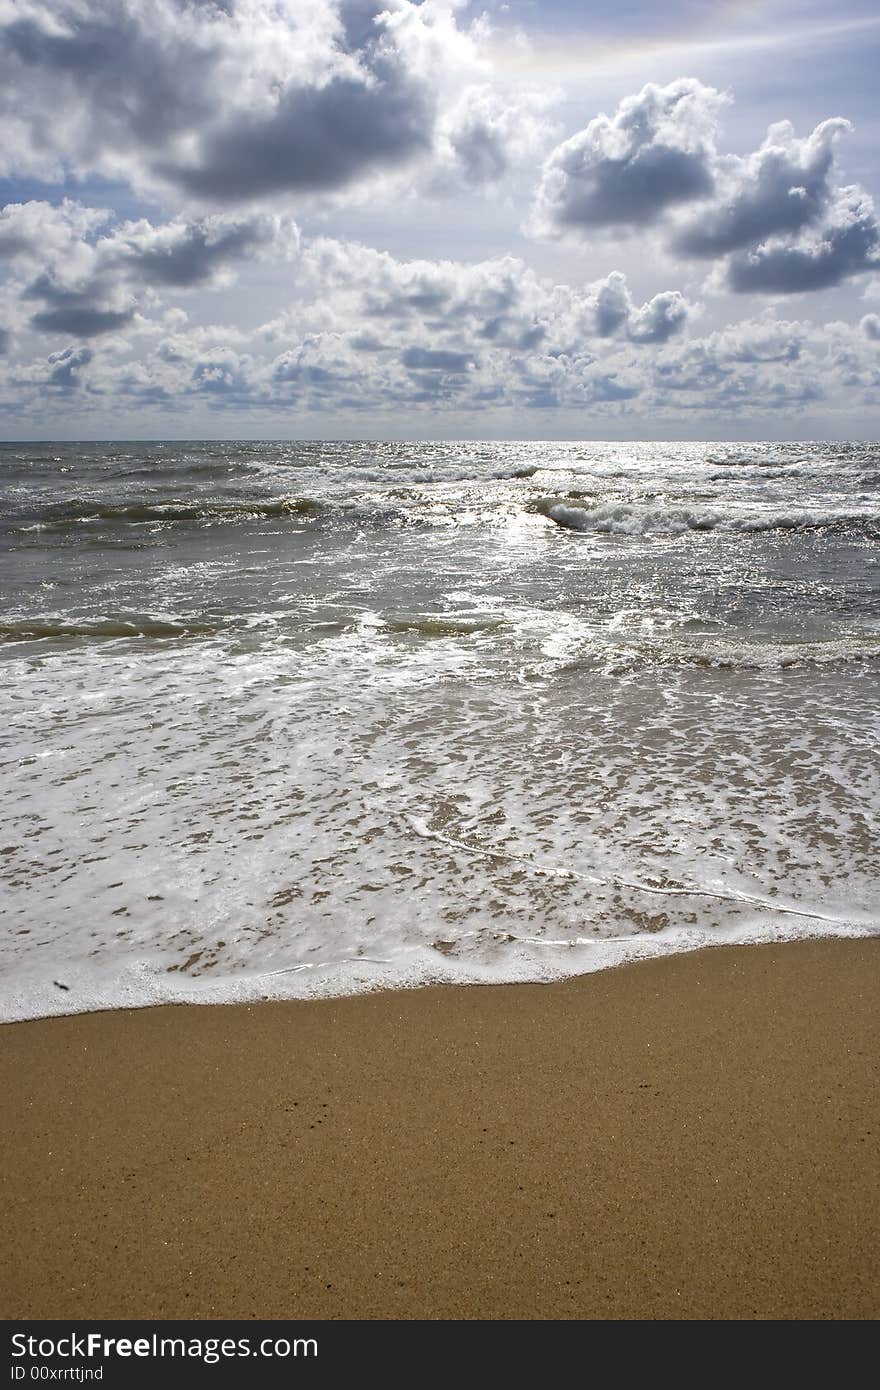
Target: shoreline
(613,953)
(691,1136)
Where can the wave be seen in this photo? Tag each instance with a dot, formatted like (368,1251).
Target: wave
(622,519)
(730,655)
(752,460)
(444,627)
(41,629)
(80,512)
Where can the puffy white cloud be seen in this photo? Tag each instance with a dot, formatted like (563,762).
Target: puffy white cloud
(765,339)
(769,364)
(483,135)
(87,283)
(660,319)
(38,230)
(495,304)
(224,372)
(776,220)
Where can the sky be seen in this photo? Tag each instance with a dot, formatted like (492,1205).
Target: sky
(390,219)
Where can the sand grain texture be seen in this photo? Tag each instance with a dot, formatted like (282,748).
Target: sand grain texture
(690,1137)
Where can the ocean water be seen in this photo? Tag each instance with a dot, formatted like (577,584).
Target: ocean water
(281,719)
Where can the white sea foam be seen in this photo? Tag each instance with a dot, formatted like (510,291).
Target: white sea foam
(142,984)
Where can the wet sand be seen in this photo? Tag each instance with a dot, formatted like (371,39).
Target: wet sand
(695,1137)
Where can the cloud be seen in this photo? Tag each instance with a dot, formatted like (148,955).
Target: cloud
(64,367)
(316,139)
(612,304)
(60,371)
(776,221)
(770,365)
(605,309)
(627,170)
(223,373)
(483,135)
(870,326)
(660,319)
(236,100)
(496,304)
(38,230)
(433,359)
(184,254)
(365,332)
(781,188)
(72,316)
(766,339)
(90,281)
(847,244)
(756,365)
(716,374)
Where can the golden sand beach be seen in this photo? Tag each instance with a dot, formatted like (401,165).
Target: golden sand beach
(692,1137)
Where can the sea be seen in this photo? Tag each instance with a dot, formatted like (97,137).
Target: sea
(285,719)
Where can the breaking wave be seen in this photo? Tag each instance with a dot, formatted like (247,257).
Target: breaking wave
(623,519)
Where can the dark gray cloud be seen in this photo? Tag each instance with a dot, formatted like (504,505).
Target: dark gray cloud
(136,84)
(506,331)
(436,359)
(77,313)
(631,191)
(227,101)
(81,321)
(850,245)
(13,239)
(315,141)
(784,187)
(4,341)
(627,170)
(190,258)
(777,220)
(480,151)
(185,254)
